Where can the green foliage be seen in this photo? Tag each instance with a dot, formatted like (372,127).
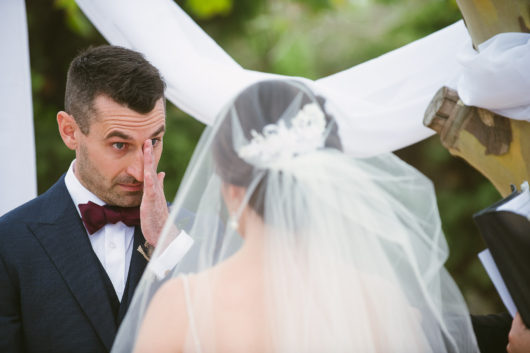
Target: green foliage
(75,20)
(206,9)
(318,4)
(312,38)
(426,16)
(292,56)
(182,133)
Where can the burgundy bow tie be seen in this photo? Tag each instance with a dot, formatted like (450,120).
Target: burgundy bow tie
(95,216)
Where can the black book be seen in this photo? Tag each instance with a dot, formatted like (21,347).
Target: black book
(505,227)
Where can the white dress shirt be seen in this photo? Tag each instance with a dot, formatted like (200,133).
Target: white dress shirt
(113,244)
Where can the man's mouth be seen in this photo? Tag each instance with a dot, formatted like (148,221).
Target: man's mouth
(132,187)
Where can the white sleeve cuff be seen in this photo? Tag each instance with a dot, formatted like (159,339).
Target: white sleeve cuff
(170,257)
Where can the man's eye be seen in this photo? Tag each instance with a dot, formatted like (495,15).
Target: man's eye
(155,141)
(118,145)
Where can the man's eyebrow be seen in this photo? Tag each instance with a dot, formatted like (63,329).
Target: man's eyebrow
(160,130)
(117,133)
(122,135)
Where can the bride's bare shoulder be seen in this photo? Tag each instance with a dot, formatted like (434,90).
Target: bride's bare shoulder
(165,323)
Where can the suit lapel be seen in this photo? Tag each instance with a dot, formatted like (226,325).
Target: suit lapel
(136,269)
(63,237)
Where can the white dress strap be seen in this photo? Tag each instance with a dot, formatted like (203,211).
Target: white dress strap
(191,316)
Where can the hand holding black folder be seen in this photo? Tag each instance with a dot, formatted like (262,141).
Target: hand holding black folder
(505,226)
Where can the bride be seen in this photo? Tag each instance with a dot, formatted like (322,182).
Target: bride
(299,247)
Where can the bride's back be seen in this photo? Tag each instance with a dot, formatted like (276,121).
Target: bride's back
(229,311)
(219,310)
(228,308)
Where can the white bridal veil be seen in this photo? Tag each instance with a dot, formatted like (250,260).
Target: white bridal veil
(350,250)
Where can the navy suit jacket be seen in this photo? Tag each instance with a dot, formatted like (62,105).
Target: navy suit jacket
(53,294)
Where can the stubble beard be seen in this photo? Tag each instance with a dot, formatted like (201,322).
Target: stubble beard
(107,191)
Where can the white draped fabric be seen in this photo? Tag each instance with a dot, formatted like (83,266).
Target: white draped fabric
(498,76)
(385,98)
(382,101)
(201,77)
(18,181)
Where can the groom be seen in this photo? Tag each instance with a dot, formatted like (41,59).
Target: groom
(66,275)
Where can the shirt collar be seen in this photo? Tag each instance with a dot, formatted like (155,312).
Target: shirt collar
(78,192)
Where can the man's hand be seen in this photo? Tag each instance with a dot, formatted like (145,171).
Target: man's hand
(153,209)
(519,337)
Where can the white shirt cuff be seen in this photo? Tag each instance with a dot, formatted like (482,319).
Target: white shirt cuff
(163,264)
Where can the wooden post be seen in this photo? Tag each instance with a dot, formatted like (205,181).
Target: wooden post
(486,18)
(496,146)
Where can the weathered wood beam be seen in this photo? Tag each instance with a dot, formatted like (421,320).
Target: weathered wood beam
(496,146)
(486,18)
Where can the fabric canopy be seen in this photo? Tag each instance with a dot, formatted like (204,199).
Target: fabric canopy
(385,98)
(18,181)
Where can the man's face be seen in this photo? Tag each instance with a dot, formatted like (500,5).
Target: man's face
(109,159)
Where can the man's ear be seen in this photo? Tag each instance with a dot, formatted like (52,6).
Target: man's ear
(68,129)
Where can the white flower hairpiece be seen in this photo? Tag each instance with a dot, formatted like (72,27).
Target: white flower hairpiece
(278,142)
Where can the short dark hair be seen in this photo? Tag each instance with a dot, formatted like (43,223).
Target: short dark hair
(119,73)
(257,106)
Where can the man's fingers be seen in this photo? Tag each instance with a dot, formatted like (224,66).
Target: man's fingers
(148,181)
(161,177)
(153,207)
(149,168)
(148,156)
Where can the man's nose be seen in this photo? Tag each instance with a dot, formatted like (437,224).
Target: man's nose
(136,165)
